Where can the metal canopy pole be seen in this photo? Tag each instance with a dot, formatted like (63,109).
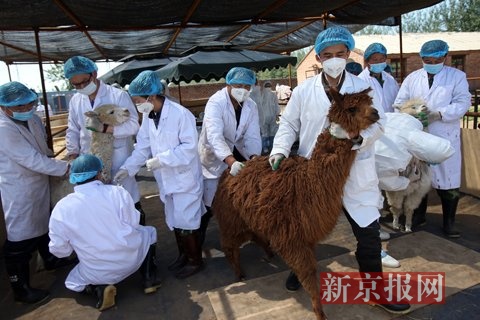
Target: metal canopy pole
(402,66)
(44,92)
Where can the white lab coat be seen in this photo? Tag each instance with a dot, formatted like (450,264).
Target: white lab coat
(24,170)
(450,96)
(179,178)
(100,223)
(220,135)
(305,117)
(387,93)
(78,138)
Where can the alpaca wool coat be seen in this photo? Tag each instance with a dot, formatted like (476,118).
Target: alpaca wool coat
(220,135)
(448,95)
(305,117)
(78,138)
(99,222)
(387,93)
(24,170)
(179,178)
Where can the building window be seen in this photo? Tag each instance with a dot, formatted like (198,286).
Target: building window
(312,72)
(396,66)
(458,62)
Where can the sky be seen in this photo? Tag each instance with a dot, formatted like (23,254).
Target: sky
(29,74)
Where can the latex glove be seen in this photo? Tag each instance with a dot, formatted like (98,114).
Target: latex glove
(93,124)
(236,167)
(337,131)
(434,116)
(275,160)
(152,164)
(422,117)
(120,176)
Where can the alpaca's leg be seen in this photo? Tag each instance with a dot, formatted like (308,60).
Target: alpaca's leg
(232,253)
(301,259)
(266,247)
(395,200)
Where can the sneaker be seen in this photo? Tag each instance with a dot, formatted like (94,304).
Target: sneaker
(105,295)
(395,308)
(384,235)
(292,284)
(388,261)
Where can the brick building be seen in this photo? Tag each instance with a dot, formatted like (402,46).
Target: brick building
(464,53)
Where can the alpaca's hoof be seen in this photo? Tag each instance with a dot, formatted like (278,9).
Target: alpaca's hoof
(240,278)
(408,228)
(396,225)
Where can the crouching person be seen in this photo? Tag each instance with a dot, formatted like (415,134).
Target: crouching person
(100,223)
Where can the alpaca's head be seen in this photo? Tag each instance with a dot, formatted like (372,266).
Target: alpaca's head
(109,114)
(353,111)
(412,107)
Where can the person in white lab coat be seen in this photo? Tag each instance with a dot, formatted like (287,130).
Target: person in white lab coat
(92,93)
(445,91)
(230,132)
(306,116)
(167,144)
(24,169)
(385,86)
(100,223)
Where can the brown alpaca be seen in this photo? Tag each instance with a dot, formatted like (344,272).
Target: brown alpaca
(291,209)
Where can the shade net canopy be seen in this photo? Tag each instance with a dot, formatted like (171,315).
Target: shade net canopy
(111,30)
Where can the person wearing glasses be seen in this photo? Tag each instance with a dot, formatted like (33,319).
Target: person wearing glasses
(24,169)
(81,72)
(230,133)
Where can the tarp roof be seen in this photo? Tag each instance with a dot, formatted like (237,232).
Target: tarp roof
(110,30)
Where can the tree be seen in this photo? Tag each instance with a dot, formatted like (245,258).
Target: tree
(56,75)
(449,15)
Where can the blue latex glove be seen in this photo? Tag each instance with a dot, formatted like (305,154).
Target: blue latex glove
(275,160)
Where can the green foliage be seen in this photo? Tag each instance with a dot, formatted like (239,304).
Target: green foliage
(449,15)
(55,74)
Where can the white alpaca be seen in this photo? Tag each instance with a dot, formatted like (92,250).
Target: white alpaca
(101,146)
(102,143)
(417,171)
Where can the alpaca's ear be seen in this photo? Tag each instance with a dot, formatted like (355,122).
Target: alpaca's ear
(90,114)
(337,97)
(366,91)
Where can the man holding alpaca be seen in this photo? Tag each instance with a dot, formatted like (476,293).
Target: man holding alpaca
(92,93)
(445,90)
(305,117)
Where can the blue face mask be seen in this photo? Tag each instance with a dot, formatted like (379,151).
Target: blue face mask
(23,116)
(433,68)
(377,67)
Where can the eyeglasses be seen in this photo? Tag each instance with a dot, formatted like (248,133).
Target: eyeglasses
(82,84)
(243,86)
(24,107)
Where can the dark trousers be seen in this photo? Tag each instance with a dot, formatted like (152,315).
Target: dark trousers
(21,251)
(369,245)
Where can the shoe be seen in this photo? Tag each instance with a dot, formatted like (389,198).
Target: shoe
(395,308)
(451,232)
(292,284)
(384,235)
(388,261)
(106,296)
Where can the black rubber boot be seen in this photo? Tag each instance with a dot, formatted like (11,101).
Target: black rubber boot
(204,225)
(105,295)
(51,262)
(292,284)
(181,259)
(419,214)
(148,270)
(375,265)
(449,200)
(138,206)
(19,276)
(193,250)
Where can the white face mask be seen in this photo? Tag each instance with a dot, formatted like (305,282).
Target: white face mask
(334,66)
(145,107)
(89,89)
(240,94)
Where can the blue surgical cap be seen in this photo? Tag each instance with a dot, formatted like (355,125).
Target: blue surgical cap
(78,65)
(147,83)
(16,94)
(239,75)
(333,36)
(375,48)
(84,167)
(354,68)
(434,48)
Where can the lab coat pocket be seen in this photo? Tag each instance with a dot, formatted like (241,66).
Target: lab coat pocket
(363,175)
(178,179)
(442,96)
